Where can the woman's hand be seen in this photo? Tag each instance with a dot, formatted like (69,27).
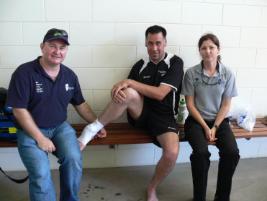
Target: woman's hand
(210,134)
(207,133)
(213,134)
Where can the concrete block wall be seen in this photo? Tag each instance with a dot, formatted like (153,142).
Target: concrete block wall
(107,38)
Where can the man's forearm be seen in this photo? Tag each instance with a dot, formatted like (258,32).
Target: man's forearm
(153,92)
(27,123)
(85,111)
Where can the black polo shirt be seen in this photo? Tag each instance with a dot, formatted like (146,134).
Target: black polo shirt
(46,100)
(168,71)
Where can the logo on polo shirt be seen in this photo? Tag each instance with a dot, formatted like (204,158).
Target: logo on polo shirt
(68,87)
(162,72)
(146,76)
(39,87)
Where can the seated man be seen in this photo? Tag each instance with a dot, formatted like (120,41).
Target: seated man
(39,92)
(150,95)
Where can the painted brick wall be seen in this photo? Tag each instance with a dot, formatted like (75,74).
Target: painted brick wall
(107,38)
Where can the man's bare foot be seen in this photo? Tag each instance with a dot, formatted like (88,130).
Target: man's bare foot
(151,195)
(82,146)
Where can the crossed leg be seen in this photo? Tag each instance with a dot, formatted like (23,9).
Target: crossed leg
(133,104)
(168,141)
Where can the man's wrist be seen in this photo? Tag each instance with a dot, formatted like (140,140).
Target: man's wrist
(129,82)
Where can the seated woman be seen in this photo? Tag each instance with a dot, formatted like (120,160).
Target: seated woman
(208,88)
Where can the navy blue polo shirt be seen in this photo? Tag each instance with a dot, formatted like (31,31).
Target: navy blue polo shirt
(168,71)
(46,100)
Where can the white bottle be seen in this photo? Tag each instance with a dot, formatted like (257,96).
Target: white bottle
(182,111)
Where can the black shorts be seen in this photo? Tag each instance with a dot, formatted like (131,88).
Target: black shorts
(154,122)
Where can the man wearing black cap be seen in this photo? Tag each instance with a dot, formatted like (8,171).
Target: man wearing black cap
(39,93)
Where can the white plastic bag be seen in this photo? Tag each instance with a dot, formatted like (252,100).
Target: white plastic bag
(243,115)
(247,121)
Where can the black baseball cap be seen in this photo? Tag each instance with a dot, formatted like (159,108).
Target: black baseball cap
(53,34)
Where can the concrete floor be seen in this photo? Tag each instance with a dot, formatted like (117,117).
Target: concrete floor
(129,183)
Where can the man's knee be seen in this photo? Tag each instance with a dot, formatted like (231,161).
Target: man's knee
(39,172)
(40,177)
(132,94)
(74,156)
(171,154)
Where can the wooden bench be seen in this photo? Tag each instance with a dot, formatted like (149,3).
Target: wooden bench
(123,133)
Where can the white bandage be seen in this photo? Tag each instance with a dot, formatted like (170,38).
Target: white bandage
(90,131)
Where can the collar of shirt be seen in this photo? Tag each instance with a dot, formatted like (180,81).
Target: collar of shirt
(200,70)
(39,69)
(165,55)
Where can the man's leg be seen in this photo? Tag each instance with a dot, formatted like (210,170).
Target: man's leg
(170,147)
(134,105)
(70,159)
(37,164)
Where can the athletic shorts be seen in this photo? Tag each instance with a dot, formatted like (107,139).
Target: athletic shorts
(154,122)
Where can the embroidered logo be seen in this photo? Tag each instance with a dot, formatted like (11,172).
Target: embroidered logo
(146,76)
(68,87)
(39,87)
(162,72)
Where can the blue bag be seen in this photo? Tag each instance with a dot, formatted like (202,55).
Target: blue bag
(7,128)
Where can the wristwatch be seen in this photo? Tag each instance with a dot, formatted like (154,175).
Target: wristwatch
(216,126)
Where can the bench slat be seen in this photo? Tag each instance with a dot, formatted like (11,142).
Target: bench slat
(123,133)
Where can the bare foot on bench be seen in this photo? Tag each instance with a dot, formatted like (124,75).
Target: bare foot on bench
(151,195)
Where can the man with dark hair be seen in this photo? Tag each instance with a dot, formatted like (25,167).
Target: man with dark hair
(39,93)
(150,95)
(156,29)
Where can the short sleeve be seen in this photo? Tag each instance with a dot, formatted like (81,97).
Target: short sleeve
(187,86)
(19,90)
(77,98)
(174,75)
(230,87)
(134,72)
